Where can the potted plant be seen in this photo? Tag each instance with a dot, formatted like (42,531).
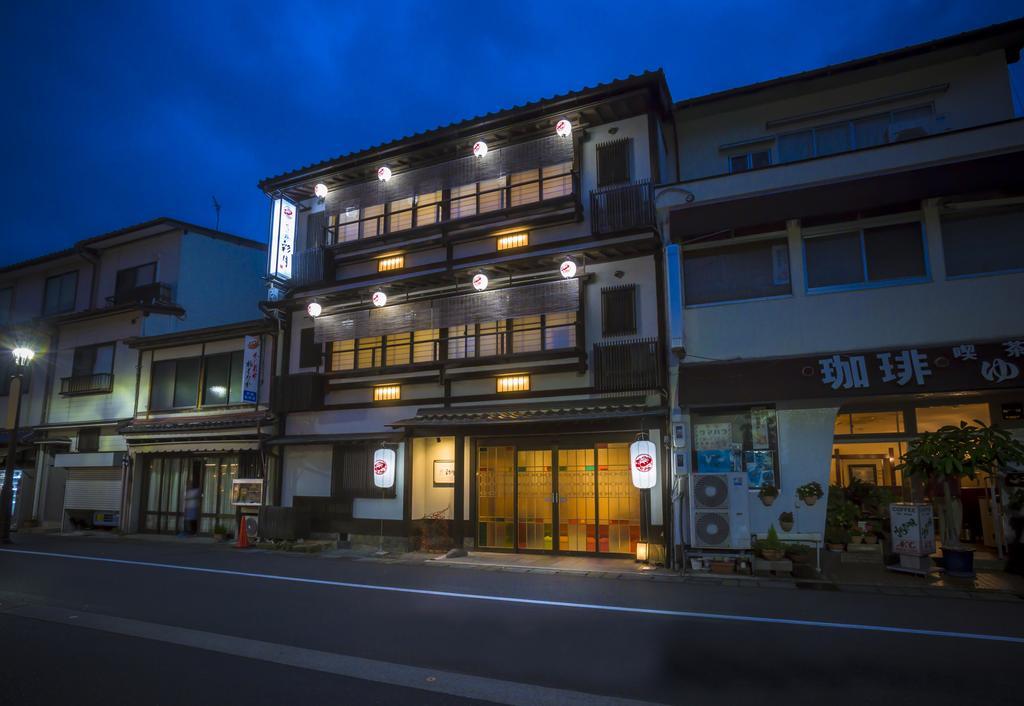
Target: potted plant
(869,534)
(856,536)
(768,493)
(220,532)
(786,521)
(771,549)
(942,458)
(835,537)
(810,492)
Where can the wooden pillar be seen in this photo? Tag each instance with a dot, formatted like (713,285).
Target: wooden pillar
(459,524)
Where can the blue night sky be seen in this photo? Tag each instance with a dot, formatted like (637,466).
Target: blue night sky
(121,112)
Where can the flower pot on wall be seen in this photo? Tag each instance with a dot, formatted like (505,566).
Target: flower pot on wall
(811,499)
(787,526)
(768,499)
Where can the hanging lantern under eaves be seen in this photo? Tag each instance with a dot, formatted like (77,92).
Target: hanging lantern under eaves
(643,462)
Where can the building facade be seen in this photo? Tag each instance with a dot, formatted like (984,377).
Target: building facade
(485,300)
(78,309)
(852,261)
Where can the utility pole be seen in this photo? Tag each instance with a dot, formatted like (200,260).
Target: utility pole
(216,207)
(22,357)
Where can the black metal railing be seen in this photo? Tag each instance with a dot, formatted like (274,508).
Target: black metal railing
(153,293)
(450,205)
(621,208)
(97,383)
(627,366)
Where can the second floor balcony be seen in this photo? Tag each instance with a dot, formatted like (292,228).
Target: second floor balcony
(152,293)
(92,384)
(628,207)
(627,366)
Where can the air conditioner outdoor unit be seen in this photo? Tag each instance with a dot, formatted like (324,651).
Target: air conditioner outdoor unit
(719,517)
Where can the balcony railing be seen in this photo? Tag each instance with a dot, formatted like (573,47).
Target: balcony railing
(449,205)
(622,208)
(629,366)
(95,384)
(153,293)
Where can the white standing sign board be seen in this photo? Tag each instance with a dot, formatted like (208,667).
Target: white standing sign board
(913,532)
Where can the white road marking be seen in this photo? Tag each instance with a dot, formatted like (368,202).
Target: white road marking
(539,602)
(432,680)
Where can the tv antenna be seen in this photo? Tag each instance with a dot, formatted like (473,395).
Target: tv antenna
(216,207)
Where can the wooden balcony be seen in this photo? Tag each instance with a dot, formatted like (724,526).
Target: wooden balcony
(627,366)
(96,384)
(618,209)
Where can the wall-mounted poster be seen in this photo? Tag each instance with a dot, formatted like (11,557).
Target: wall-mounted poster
(251,369)
(760,467)
(247,491)
(759,432)
(707,437)
(444,474)
(715,461)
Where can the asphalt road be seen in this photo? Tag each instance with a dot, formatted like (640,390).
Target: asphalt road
(195,624)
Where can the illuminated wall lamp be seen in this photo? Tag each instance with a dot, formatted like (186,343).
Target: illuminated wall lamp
(320,191)
(479,148)
(480,281)
(379,298)
(384,173)
(314,309)
(567,269)
(563,128)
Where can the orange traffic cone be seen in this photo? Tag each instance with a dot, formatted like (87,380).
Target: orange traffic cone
(243,536)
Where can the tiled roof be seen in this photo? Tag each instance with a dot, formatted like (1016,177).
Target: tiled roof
(556,411)
(646,77)
(197,423)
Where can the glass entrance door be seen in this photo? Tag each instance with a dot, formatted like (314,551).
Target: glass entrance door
(534,500)
(584,503)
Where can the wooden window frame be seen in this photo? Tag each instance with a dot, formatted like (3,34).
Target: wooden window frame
(608,292)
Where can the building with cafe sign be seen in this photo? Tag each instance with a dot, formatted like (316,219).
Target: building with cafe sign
(851,263)
(484,299)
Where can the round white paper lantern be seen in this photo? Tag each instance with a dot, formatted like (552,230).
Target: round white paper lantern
(567,269)
(563,128)
(643,462)
(479,148)
(384,173)
(379,298)
(480,282)
(384,468)
(314,309)
(320,190)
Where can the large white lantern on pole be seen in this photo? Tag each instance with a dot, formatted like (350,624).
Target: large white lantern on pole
(643,462)
(384,468)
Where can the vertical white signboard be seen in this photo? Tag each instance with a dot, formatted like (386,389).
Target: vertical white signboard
(251,370)
(282,239)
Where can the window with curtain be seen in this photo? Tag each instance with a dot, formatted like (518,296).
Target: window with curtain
(556,180)
(385,351)
(93,360)
(175,384)
(736,271)
(528,334)
(463,200)
(856,134)
(492,195)
(983,242)
(428,208)
(400,217)
(867,256)
(132,277)
(222,379)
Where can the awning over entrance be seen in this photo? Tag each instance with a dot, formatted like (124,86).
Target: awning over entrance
(192,423)
(569,411)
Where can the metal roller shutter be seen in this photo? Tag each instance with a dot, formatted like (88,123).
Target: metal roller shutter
(93,489)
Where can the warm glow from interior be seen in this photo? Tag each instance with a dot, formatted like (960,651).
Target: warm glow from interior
(383,393)
(514,383)
(513,241)
(386,264)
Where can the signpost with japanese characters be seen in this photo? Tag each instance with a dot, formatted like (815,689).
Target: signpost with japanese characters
(960,366)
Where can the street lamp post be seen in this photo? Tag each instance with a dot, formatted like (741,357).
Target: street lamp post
(22,357)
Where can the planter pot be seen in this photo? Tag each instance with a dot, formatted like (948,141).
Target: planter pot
(834,547)
(772,554)
(810,500)
(958,562)
(856,539)
(723,567)
(785,526)
(871,539)
(768,499)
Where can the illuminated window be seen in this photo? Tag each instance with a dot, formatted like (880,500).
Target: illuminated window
(463,201)
(386,264)
(492,195)
(401,215)
(556,180)
(870,423)
(525,187)
(513,383)
(372,223)
(507,242)
(428,208)
(384,393)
